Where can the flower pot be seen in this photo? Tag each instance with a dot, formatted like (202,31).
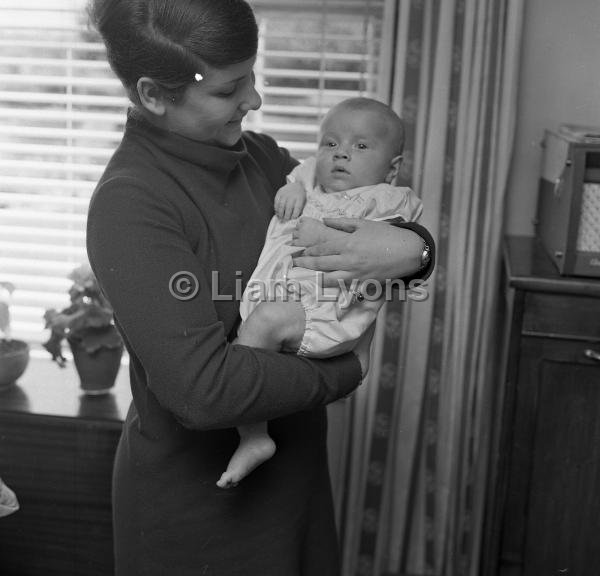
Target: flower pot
(14,357)
(97,371)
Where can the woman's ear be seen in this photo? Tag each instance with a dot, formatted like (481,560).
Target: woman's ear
(394,169)
(151,96)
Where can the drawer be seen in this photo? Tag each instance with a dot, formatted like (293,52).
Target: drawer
(561,315)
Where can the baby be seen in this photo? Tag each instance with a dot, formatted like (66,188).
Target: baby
(285,308)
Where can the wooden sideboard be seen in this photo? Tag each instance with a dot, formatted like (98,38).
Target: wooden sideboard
(545,511)
(56,453)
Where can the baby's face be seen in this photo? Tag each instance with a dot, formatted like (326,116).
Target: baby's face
(354,150)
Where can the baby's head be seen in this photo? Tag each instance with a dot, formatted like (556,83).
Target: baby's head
(360,144)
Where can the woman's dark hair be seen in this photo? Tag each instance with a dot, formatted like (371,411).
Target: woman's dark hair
(169,40)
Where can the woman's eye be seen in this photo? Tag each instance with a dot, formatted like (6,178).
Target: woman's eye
(226,94)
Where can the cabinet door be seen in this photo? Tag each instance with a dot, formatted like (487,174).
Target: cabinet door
(552,520)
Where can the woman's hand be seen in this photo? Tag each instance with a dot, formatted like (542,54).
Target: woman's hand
(352,248)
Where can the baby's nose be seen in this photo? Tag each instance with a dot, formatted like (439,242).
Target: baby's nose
(341,154)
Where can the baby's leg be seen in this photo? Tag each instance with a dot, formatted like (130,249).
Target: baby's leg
(274,326)
(256,447)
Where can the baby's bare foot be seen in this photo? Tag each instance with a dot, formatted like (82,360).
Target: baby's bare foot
(251,452)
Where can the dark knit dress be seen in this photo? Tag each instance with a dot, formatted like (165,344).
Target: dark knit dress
(166,205)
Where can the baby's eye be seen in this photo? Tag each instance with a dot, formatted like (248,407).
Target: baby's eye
(361,146)
(330,144)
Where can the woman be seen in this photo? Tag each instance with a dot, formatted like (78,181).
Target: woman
(178,217)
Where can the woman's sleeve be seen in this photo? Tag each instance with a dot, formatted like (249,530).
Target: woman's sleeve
(137,248)
(275,161)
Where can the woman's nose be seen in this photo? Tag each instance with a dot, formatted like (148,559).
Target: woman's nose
(252,101)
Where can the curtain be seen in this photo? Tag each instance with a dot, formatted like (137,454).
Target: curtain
(412,496)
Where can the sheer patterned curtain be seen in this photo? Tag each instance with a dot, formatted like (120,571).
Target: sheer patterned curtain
(418,432)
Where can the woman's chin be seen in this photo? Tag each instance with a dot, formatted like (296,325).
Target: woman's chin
(231,135)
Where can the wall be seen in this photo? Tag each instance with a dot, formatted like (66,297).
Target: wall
(559,83)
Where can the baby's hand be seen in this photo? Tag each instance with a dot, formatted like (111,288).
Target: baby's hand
(290,200)
(309,231)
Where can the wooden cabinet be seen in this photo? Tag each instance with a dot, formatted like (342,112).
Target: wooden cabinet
(56,452)
(545,517)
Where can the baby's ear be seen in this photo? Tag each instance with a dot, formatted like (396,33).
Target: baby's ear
(394,169)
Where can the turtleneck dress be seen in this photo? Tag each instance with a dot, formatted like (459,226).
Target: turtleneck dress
(167,205)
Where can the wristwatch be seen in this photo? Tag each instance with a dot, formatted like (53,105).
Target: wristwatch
(425,256)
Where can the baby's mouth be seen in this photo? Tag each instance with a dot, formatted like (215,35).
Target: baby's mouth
(340,169)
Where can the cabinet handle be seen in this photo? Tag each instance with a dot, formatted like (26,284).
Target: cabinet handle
(589,353)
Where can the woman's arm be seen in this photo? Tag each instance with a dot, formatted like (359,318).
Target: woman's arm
(351,248)
(136,246)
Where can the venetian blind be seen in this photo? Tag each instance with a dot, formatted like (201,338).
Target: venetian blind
(62,113)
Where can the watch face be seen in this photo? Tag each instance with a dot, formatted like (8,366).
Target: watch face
(425,256)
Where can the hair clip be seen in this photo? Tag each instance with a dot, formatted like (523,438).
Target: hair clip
(198,76)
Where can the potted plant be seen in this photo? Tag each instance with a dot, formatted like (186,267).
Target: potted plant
(14,354)
(88,327)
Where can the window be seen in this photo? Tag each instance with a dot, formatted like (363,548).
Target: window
(62,113)
(309,59)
